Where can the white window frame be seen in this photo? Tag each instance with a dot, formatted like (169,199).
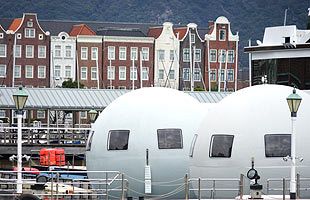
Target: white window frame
(145,73)
(83,114)
(185,55)
(57,72)
(171,55)
(2,114)
(29,68)
(30,33)
(133,73)
(1,35)
(133,53)
(222,74)
(18,51)
(41,114)
(231,56)
(31,52)
(40,36)
(122,53)
(93,73)
(84,53)
(224,31)
(111,52)
(18,71)
(233,75)
(186,71)
(68,71)
(19,36)
(94,53)
(161,54)
(197,52)
(213,72)
(122,73)
(41,54)
(222,55)
(30,24)
(210,56)
(197,74)
(83,72)
(68,51)
(3,46)
(111,72)
(145,53)
(57,51)
(3,74)
(172,74)
(161,74)
(193,35)
(41,67)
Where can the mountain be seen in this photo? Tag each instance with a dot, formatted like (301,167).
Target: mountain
(248,17)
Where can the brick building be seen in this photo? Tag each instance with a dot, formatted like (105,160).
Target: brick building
(222,59)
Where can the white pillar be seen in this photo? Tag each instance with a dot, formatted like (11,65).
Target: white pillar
(19,153)
(293,164)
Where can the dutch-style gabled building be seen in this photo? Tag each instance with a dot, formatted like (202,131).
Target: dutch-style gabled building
(221,57)
(32,58)
(166,56)
(191,60)
(128,58)
(5,58)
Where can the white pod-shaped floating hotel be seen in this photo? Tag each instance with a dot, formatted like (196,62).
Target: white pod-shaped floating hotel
(146,134)
(253,122)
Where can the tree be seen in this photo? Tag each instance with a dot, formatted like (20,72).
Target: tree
(71,84)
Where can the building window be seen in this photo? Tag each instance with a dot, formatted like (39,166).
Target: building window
(231,56)
(192,38)
(185,74)
(213,55)
(122,53)
(84,53)
(40,36)
(230,75)
(1,35)
(41,51)
(222,75)
(145,73)
(19,36)
(18,51)
(169,138)
(145,53)
(83,115)
(197,55)
(57,51)
(221,146)
(41,71)
(94,53)
(161,55)
(222,55)
(134,53)
(122,73)
(277,145)
(93,73)
(171,55)
(30,33)
(29,24)
(2,113)
(111,72)
(171,74)
(213,75)
(222,34)
(186,55)
(67,71)
(57,72)
(111,53)
(29,71)
(118,139)
(68,51)
(17,71)
(2,50)
(2,71)
(83,73)
(133,73)
(160,74)
(197,74)
(41,114)
(29,51)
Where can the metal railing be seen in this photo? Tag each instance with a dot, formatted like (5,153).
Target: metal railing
(208,187)
(61,184)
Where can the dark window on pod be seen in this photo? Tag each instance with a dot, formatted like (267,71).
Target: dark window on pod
(118,139)
(170,138)
(221,146)
(277,145)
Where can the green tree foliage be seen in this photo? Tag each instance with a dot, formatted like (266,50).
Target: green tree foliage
(71,84)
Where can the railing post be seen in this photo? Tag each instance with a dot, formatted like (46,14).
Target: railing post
(298,186)
(213,190)
(268,187)
(199,191)
(57,181)
(52,187)
(241,186)
(186,186)
(284,188)
(106,186)
(122,187)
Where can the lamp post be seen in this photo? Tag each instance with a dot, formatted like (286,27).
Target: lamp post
(20,98)
(92,115)
(293,101)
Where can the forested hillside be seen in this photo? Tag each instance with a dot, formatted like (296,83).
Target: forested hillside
(248,17)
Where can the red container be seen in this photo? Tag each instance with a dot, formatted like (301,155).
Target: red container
(47,157)
(60,157)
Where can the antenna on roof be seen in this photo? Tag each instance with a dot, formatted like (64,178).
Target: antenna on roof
(285,14)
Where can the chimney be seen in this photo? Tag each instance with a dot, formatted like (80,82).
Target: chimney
(210,26)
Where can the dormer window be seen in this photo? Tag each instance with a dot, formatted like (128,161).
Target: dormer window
(192,38)
(222,35)
(29,24)
(29,33)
